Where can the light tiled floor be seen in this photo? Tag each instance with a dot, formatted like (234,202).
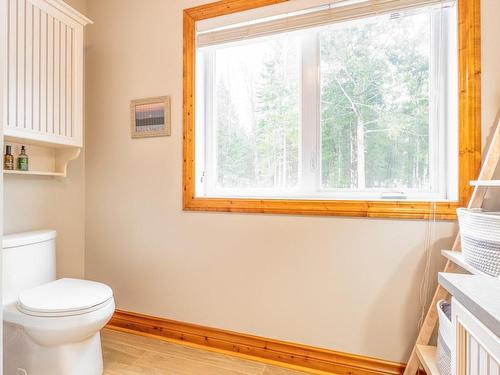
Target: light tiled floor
(127,354)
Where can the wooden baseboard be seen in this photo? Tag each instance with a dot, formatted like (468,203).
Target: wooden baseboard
(268,349)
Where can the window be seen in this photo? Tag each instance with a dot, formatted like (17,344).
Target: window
(335,108)
(252,122)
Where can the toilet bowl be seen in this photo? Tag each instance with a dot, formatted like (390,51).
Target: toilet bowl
(51,327)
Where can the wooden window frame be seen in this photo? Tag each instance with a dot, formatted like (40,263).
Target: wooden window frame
(469,133)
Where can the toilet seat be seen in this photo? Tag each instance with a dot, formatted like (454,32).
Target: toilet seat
(64,297)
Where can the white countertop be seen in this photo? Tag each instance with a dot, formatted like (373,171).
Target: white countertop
(479,294)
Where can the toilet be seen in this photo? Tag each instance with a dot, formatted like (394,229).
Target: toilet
(51,327)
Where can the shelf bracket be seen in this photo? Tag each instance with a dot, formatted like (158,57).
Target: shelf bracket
(63,157)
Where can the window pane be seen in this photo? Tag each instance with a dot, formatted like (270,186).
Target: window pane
(256,115)
(375,79)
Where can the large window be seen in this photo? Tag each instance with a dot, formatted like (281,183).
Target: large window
(329,104)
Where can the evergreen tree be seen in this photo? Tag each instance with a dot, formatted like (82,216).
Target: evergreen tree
(374,106)
(277,133)
(374,112)
(235,164)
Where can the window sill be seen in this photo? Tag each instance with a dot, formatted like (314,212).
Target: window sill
(371,209)
(330,196)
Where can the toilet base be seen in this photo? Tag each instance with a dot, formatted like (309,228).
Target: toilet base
(80,358)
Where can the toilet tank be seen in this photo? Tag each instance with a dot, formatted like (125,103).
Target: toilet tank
(28,260)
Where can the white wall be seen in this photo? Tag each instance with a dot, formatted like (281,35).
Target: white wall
(340,283)
(490,30)
(32,203)
(490,87)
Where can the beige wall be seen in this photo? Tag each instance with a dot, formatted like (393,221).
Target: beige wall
(340,283)
(490,29)
(32,203)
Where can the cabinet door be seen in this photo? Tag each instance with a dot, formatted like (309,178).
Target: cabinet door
(44,73)
(477,349)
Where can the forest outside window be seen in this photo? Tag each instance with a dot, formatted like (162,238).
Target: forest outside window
(347,102)
(364,108)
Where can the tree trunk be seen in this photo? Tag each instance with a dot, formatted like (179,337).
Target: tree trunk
(285,156)
(360,142)
(360,153)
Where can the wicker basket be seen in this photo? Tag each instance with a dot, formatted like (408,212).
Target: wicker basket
(443,353)
(480,235)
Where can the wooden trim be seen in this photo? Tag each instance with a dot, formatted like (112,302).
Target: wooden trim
(461,349)
(381,209)
(265,349)
(469,97)
(469,42)
(225,7)
(469,67)
(188,170)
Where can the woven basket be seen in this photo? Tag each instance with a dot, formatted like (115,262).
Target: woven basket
(443,353)
(480,235)
(443,356)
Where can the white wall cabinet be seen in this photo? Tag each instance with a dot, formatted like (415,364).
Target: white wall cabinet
(477,349)
(44,74)
(475,313)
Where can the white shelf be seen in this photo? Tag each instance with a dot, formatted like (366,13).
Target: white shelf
(44,159)
(427,356)
(490,183)
(458,258)
(34,173)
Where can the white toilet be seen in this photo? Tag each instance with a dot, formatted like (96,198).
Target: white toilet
(51,327)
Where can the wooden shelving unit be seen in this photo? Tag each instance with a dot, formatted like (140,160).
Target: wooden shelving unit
(422,354)
(427,356)
(488,183)
(458,258)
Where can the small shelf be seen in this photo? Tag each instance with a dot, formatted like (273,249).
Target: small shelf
(458,258)
(45,159)
(490,183)
(35,173)
(427,356)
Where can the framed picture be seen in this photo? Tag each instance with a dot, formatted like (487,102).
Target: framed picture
(150,117)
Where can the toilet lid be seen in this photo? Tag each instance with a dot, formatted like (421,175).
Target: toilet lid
(64,296)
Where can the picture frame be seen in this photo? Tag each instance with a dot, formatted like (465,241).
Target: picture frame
(150,117)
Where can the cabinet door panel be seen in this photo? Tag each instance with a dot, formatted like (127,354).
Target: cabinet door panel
(473,355)
(476,349)
(12,62)
(29,65)
(69,82)
(45,73)
(494,368)
(50,75)
(21,62)
(36,70)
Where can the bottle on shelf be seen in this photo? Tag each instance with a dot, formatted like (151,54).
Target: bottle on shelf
(8,158)
(22,160)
